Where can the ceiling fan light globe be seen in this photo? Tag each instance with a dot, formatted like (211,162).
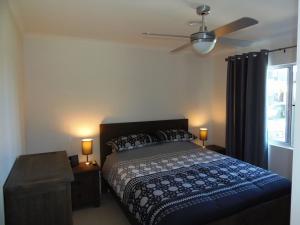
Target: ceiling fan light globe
(204,46)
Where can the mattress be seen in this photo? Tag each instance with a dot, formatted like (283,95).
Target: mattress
(180,183)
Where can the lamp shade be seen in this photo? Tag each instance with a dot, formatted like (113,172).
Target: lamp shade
(203,134)
(87,146)
(204,46)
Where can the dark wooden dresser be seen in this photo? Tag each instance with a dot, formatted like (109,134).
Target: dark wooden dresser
(38,190)
(86,186)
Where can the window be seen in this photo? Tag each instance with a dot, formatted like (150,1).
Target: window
(281,94)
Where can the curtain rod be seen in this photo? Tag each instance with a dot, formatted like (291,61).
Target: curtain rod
(282,49)
(277,50)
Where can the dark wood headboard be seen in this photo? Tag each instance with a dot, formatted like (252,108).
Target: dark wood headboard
(112,130)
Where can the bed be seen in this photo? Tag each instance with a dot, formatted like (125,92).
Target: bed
(180,183)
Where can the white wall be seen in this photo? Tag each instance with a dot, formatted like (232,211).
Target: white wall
(281,160)
(11,118)
(219,97)
(295,210)
(73,85)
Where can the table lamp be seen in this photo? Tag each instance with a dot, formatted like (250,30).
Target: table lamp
(87,148)
(203,135)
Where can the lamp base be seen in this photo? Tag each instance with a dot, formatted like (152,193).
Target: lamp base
(203,144)
(87,161)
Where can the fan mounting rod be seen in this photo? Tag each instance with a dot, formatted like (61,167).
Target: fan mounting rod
(203,10)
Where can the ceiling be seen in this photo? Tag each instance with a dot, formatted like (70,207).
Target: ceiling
(125,20)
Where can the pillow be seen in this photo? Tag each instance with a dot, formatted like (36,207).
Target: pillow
(132,141)
(175,135)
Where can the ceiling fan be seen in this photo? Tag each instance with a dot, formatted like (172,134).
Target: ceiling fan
(204,41)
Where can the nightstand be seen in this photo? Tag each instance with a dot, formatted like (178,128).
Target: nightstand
(86,186)
(217,149)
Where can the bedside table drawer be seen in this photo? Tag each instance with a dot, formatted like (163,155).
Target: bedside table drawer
(86,178)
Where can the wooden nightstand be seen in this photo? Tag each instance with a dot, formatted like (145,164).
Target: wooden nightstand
(217,148)
(86,186)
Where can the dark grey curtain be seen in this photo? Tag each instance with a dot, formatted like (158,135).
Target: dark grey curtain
(246,130)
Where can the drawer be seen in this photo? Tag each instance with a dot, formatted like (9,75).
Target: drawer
(86,178)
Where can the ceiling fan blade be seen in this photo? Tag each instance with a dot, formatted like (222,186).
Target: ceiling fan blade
(165,35)
(235,26)
(235,42)
(181,47)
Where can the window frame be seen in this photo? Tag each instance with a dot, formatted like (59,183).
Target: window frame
(289,106)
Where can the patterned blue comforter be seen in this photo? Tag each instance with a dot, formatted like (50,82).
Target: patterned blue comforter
(191,187)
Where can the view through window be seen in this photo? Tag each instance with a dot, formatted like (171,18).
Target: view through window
(281,94)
